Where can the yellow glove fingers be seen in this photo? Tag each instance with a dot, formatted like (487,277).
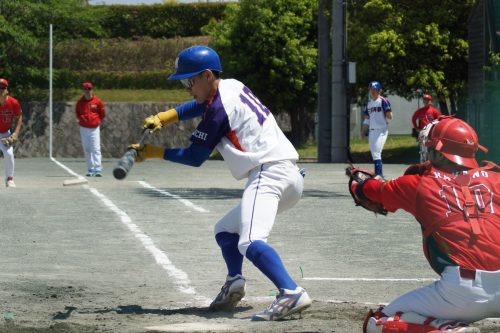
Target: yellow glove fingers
(161,119)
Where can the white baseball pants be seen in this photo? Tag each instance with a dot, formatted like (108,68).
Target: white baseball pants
(271,188)
(377,139)
(453,297)
(91,143)
(8,156)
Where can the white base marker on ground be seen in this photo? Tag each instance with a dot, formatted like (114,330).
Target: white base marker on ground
(370,279)
(174,196)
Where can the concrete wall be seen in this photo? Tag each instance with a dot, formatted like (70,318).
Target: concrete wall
(122,126)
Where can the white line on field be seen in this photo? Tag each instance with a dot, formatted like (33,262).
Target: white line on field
(369,279)
(71,172)
(181,279)
(175,196)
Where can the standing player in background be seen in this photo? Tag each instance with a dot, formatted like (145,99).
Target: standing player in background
(420,119)
(10,112)
(90,113)
(246,134)
(457,203)
(377,113)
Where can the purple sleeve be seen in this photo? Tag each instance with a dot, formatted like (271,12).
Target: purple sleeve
(386,105)
(213,127)
(190,110)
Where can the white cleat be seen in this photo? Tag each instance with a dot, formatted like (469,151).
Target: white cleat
(287,303)
(10,183)
(230,294)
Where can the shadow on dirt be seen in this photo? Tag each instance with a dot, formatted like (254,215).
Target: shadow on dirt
(137,309)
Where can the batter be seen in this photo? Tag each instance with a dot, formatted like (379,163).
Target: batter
(244,131)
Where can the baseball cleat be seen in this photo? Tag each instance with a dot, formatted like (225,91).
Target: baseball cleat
(286,304)
(89,174)
(10,182)
(230,294)
(98,174)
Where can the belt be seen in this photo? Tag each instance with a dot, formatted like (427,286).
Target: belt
(469,274)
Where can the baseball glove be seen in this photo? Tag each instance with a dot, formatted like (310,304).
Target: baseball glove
(359,176)
(9,141)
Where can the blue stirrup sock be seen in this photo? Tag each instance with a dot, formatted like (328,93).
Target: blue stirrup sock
(378,167)
(267,260)
(228,243)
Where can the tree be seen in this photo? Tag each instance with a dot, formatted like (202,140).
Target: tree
(410,45)
(271,46)
(24,26)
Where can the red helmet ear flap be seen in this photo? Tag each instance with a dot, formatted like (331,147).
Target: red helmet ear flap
(439,145)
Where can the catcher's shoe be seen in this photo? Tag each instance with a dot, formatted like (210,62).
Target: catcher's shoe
(286,303)
(230,294)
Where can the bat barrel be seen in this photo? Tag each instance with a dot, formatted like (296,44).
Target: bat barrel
(125,164)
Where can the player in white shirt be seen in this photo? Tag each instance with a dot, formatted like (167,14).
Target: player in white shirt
(377,113)
(244,131)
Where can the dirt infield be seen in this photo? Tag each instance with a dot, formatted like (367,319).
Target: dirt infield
(139,255)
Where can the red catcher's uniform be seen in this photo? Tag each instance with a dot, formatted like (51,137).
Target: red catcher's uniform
(423,116)
(91,112)
(8,111)
(437,201)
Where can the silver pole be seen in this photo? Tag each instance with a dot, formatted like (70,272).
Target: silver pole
(50,90)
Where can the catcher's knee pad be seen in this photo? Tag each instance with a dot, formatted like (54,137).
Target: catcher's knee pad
(409,322)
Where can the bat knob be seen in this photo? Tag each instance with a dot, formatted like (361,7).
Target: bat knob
(119,173)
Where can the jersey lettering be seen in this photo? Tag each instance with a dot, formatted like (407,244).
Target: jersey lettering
(254,104)
(200,135)
(480,193)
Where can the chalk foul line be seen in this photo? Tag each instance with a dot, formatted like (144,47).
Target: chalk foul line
(181,280)
(369,279)
(174,196)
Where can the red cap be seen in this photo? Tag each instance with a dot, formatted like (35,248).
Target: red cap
(87,85)
(4,82)
(427,96)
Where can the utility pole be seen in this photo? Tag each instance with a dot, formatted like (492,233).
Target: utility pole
(324,114)
(339,118)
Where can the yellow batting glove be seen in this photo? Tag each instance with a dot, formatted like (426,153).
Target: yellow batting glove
(146,151)
(161,119)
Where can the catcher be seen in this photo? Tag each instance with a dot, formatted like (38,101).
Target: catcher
(457,203)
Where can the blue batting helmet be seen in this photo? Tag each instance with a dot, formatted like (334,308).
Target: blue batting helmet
(195,60)
(375,85)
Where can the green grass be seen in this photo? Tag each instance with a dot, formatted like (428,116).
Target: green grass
(139,95)
(397,149)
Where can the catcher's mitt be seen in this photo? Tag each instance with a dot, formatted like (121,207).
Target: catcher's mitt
(359,176)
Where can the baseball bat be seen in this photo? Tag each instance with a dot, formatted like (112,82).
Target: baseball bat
(127,161)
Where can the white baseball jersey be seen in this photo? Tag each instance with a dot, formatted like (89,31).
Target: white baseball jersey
(247,134)
(376,110)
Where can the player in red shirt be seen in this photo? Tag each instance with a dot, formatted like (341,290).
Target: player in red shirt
(457,203)
(10,113)
(420,119)
(90,112)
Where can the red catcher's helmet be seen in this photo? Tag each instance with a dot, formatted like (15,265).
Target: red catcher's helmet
(456,140)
